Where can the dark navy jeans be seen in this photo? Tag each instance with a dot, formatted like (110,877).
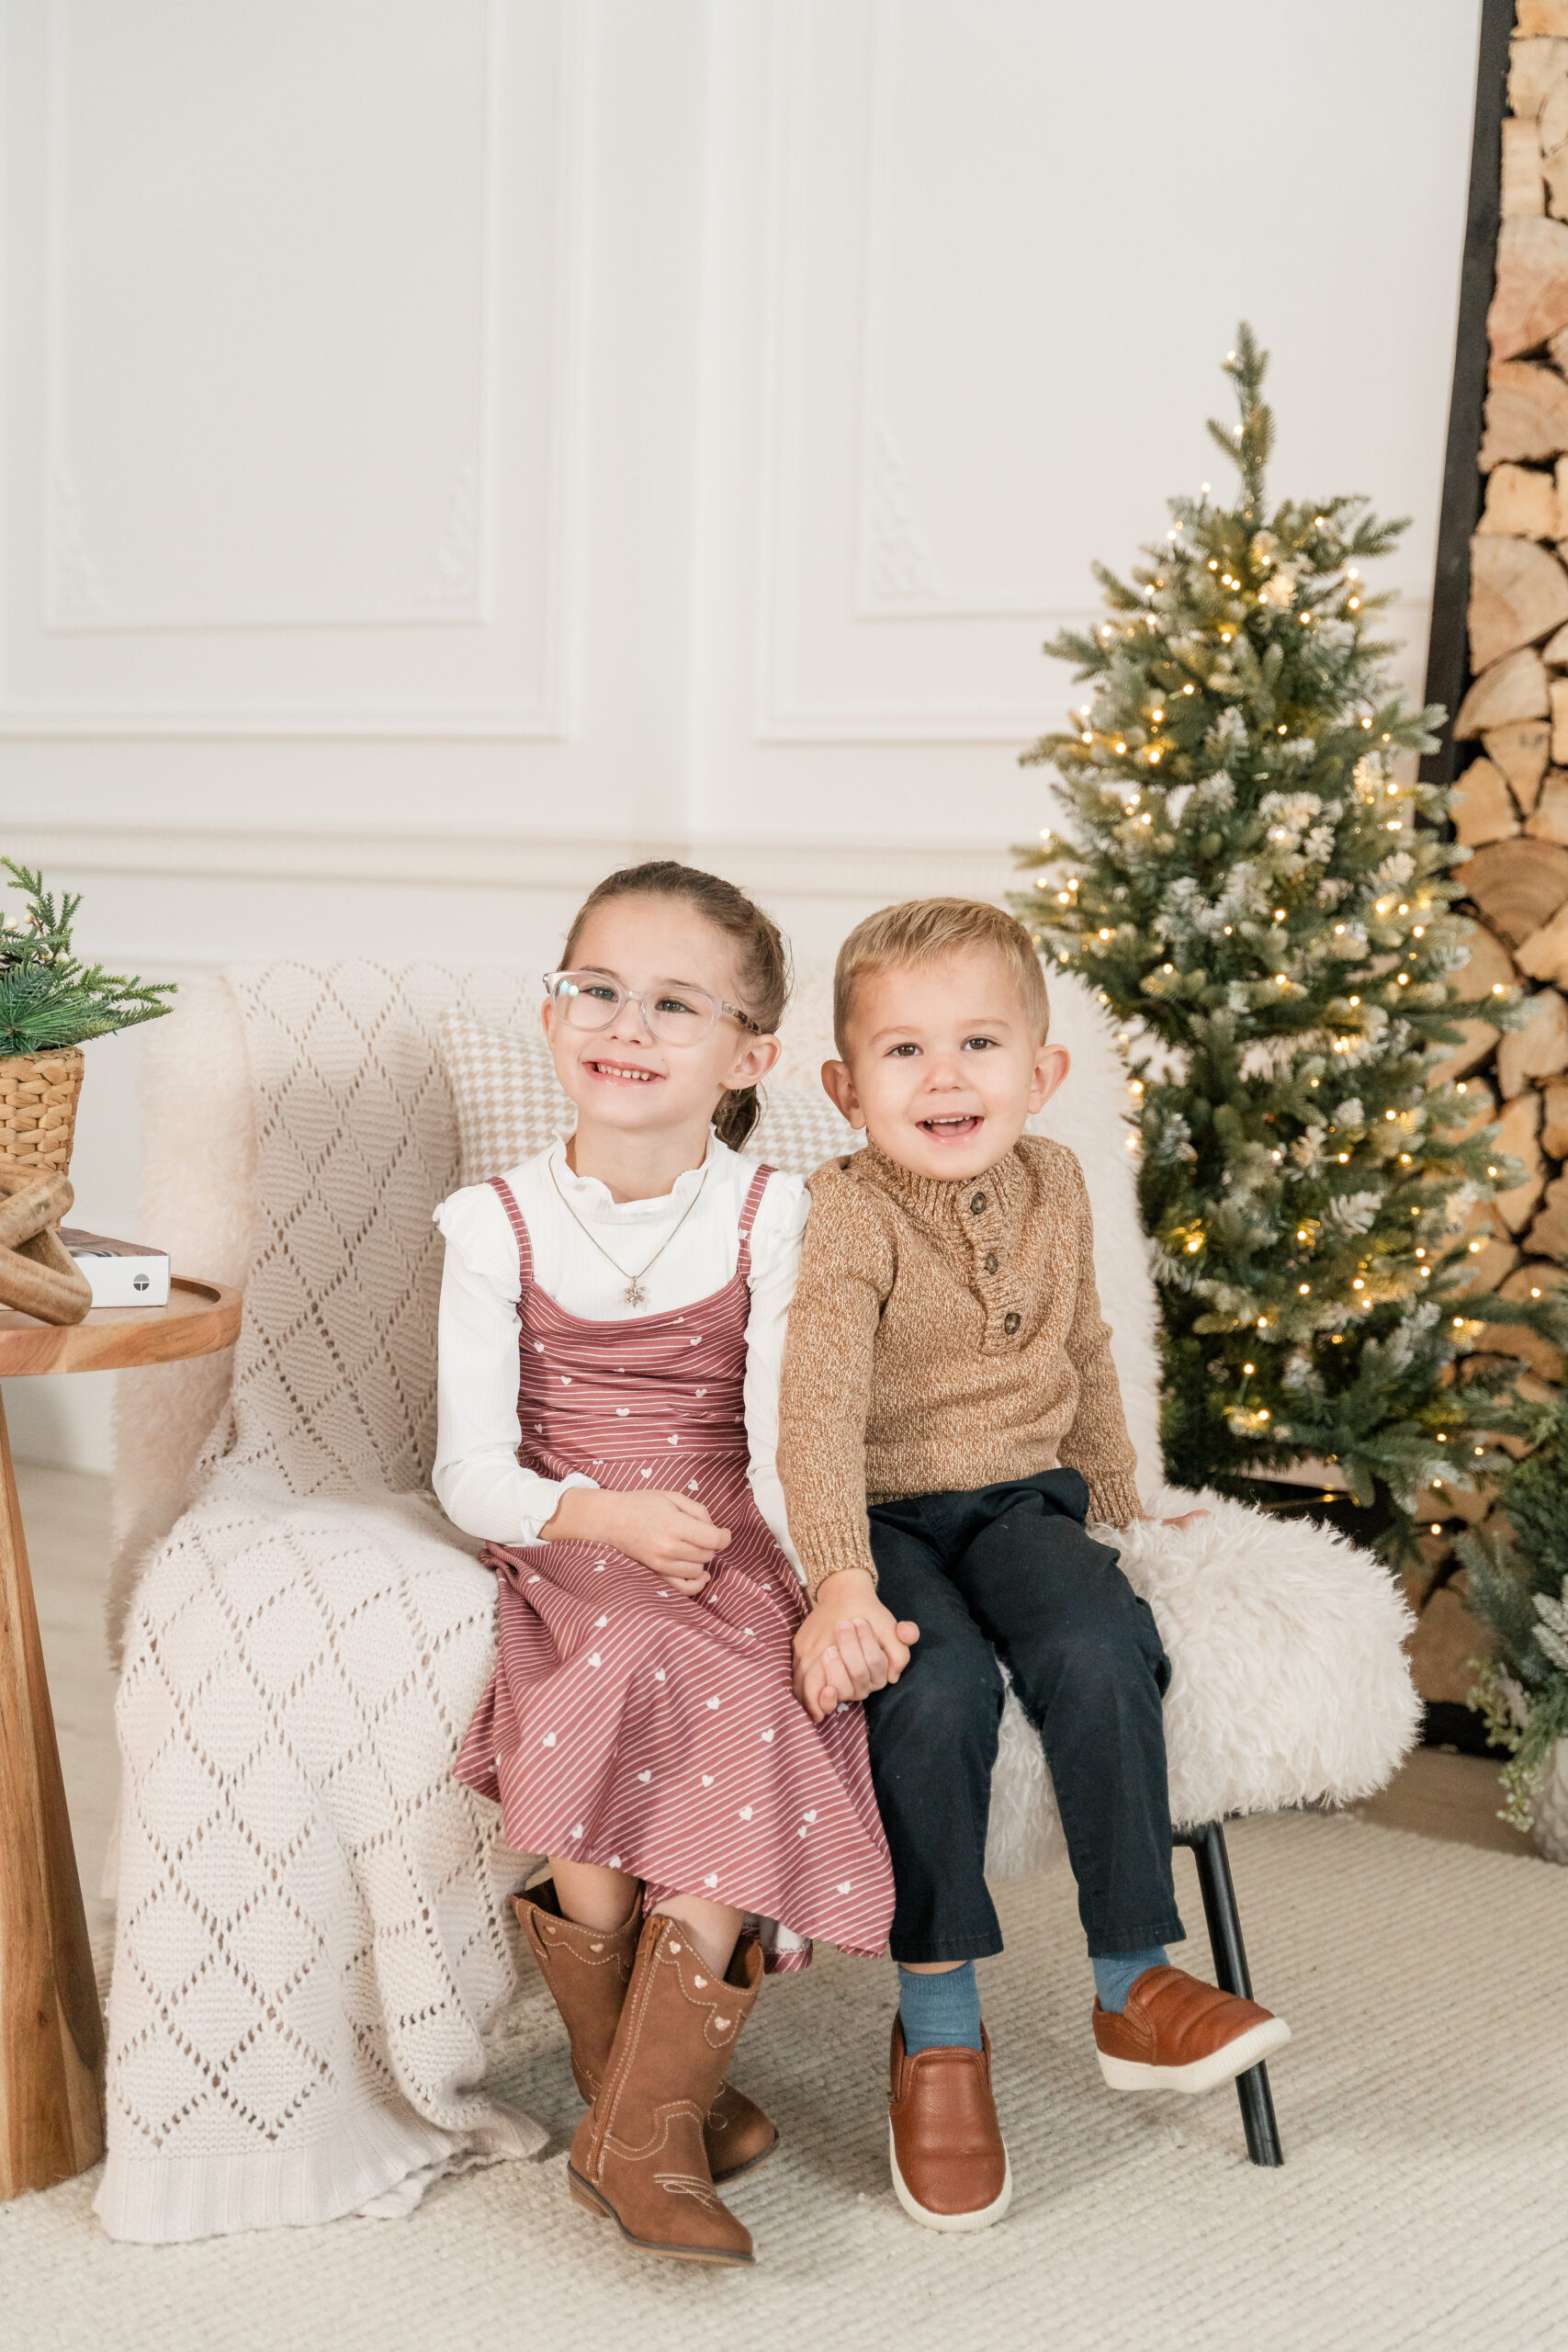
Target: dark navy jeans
(1008,1573)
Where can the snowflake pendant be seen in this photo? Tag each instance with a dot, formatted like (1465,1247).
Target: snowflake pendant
(634,1293)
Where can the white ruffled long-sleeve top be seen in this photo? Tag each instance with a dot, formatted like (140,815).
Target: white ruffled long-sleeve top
(482,1486)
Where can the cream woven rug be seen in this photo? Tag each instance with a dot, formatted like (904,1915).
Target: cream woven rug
(1424,2108)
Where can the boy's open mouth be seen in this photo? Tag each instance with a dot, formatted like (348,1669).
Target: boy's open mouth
(624,1073)
(954,1126)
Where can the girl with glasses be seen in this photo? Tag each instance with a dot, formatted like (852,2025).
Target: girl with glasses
(612,1325)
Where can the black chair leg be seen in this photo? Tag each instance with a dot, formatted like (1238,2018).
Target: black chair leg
(1208,1849)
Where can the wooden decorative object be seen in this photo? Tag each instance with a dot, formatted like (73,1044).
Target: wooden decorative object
(1538,1050)
(1531,298)
(1488,965)
(1513,689)
(1549,820)
(1520,754)
(1484,808)
(1536,64)
(1541,17)
(1518,884)
(51,2047)
(38,1093)
(38,1275)
(1527,413)
(1520,504)
(1518,592)
(1523,191)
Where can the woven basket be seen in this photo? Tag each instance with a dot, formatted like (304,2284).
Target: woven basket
(37,1108)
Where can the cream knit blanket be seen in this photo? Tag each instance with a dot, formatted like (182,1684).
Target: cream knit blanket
(312,1929)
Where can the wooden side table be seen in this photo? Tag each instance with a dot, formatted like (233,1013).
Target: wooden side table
(52,2038)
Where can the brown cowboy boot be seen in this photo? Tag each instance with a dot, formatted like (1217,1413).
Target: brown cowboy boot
(638,2155)
(587,1971)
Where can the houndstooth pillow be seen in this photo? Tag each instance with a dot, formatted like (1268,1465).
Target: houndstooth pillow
(509,1105)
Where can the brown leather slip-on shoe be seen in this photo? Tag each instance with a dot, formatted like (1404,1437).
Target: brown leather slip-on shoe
(638,2155)
(588,1970)
(1178,2034)
(950,2168)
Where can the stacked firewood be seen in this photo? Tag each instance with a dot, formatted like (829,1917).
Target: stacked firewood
(1511,808)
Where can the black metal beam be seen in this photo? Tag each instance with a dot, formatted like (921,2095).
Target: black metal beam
(1448,656)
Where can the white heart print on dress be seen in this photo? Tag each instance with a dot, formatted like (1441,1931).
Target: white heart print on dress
(658,1674)
(767,1739)
(712,1879)
(707,1780)
(621,1411)
(549,1740)
(600,1624)
(745,1812)
(644,1777)
(594,1658)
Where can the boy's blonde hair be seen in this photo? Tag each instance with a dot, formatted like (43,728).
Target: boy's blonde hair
(922,931)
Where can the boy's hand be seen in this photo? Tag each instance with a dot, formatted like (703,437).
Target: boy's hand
(849,1645)
(665,1531)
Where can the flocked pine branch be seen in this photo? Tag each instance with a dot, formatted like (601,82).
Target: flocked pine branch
(1518,1590)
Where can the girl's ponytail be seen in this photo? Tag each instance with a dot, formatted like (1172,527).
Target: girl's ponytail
(762,968)
(737,1113)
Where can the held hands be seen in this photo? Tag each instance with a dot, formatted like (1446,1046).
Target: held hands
(667,1533)
(849,1645)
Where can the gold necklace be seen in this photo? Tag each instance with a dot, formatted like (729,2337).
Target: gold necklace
(634,1293)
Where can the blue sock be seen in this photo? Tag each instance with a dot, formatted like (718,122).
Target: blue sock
(1115,1974)
(940,2012)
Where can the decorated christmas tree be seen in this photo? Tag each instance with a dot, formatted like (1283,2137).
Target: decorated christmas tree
(1251,879)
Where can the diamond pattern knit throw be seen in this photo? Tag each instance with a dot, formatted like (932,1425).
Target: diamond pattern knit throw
(312,1932)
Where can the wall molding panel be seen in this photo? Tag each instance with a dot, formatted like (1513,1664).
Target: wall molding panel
(466,623)
(439,861)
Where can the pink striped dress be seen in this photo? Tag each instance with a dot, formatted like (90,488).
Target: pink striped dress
(628,1724)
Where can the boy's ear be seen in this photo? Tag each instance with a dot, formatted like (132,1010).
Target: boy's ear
(1052,1064)
(840,1087)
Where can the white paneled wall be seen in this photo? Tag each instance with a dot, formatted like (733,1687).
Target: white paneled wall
(446,444)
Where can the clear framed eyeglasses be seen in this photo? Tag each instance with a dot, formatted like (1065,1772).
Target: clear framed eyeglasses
(673,1013)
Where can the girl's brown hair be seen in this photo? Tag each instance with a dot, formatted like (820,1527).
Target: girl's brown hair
(761,956)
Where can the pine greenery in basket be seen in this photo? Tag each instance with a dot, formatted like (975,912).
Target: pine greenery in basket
(1519,1590)
(48,998)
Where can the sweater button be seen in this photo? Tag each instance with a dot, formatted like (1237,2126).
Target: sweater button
(991,1262)
(978,1204)
(1011,1324)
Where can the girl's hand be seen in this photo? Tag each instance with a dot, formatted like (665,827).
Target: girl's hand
(1188,1519)
(849,1644)
(667,1533)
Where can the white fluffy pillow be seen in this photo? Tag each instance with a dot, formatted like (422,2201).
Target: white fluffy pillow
(509,1105)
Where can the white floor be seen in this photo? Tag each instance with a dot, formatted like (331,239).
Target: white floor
(1423,2104)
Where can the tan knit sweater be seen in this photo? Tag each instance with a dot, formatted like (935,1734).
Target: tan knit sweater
(945,1336)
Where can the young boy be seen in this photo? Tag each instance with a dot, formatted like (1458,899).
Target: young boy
(950,1421)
